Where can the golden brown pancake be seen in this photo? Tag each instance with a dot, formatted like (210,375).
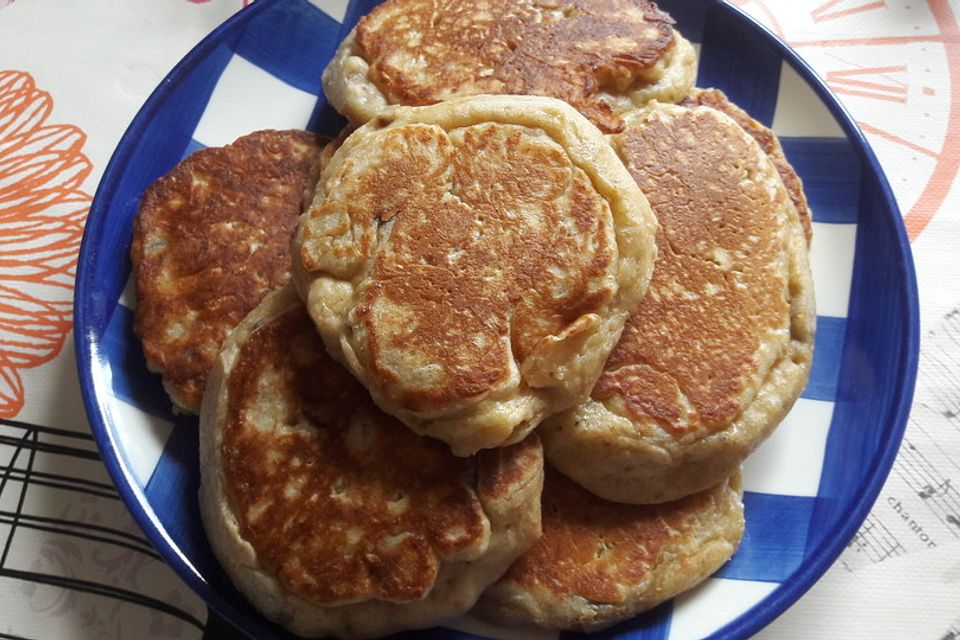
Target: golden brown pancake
(767,140)
(333,518)
(473,262)
(326,155)
(721,346)
(604,57)
(601,562)
(211,239)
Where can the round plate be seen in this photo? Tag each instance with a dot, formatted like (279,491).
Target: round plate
(808,488)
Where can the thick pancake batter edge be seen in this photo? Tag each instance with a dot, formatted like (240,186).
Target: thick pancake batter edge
(687,558)
(601,450)
(511,503)
(634,226)
(347,85)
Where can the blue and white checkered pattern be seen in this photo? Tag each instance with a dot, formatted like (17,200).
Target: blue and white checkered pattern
(262,70)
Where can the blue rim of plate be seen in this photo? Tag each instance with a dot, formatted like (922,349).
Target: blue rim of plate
(827,553)
(824,555)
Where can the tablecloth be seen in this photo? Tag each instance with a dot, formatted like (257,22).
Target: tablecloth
(72,76)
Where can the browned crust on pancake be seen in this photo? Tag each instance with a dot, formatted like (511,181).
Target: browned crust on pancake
(713,300)
(568,49)
(211,239)
(600,562)
(768,141)
(331,516)
(306,540)
(721,345)
(323,159)
(460,256)
(498,290)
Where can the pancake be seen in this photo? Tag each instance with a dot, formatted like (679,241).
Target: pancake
(331,517)
(604,57)
(721,346)
(326,155)
(767,140)
(210,241)
(473,263)
(601,562)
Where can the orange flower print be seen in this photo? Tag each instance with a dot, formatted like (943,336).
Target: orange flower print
(42,211)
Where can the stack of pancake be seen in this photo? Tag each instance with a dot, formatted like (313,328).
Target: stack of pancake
(503,344)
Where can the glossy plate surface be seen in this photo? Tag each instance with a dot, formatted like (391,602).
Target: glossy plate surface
(808,488)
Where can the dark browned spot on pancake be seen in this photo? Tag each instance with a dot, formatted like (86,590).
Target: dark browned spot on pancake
(719,289)
(349,504)
(421,51)
(492,241)
(598,550)
(767,140)
(211,240)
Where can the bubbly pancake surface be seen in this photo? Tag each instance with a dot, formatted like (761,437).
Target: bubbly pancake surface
(211,239)
(452,278)
(767,139)
(326,512)
(451,260)
(600,562)
(721,345)
(718,296)
(320,505)
(591,53)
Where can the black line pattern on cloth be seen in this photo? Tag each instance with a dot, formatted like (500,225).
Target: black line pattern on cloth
(96,588)
(27,443)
